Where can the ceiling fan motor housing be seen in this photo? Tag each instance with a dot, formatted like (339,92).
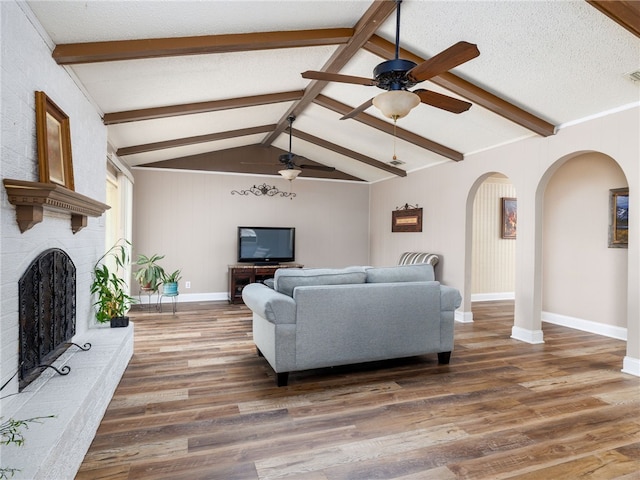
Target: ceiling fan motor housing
(286,158)
(392,74)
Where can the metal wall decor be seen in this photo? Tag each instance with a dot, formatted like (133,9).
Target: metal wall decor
(407,218)
(264,190)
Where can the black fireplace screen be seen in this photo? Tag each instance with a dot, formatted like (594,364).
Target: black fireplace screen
(47,295)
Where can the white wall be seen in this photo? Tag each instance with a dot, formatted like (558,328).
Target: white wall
(435,191)
(447,191)
(27,66)
(192,218)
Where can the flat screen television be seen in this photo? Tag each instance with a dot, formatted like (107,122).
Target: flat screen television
(266,245)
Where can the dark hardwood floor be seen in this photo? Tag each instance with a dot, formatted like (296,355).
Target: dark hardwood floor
(196,402)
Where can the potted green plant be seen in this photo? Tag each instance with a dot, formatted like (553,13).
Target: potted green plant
(113,301)
(149,274)
(170,283)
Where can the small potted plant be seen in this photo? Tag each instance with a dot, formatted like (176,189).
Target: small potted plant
(170,283)
(113,301)
(149,274)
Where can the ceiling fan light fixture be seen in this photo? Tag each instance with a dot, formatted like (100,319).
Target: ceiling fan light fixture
(290,173)
(396,103)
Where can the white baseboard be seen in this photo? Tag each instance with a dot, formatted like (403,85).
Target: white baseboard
(611,331)
(631,366)
(489,297)
(528,336)
(198,297)
(463,317)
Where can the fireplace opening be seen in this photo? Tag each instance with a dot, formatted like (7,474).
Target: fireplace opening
(47,312)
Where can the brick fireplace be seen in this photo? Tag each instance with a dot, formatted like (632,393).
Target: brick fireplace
(54,448)
(46,318)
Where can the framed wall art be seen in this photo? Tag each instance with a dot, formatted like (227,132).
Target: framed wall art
(54,143)
(509,221)
(406,219)
(619,218)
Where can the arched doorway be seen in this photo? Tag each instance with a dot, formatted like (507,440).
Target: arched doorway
(584,282)
(489,257)
(494,240)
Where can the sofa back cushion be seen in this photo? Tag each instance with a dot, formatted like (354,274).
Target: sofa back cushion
(286,279)
(422,272)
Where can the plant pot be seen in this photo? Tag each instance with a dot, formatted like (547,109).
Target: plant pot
(170,288)
(117,322)
(147,289)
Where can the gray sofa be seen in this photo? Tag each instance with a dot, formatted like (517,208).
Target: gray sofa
(314,318)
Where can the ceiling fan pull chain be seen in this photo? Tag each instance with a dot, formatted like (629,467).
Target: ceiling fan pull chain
(394,139)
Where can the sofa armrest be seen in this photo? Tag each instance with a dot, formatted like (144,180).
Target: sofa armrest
(271,305)
(414,258)
(450,298)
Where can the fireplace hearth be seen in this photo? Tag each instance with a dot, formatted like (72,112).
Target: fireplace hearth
(47,312)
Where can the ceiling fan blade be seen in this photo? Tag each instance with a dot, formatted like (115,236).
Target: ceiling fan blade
(441,101)
(312,166)
(336,77)
(322,168)
(358,110)
(451,57)
(261,164)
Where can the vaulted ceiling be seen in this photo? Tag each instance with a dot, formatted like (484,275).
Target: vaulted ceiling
(209,85)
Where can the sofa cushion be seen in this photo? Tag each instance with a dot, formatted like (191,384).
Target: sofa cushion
(286,279)
(422,272)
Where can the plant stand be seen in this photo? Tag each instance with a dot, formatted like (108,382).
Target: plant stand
(149,293)
(174,300)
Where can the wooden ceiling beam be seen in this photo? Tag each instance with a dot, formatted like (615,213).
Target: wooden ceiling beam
(625,13)
(252,159)
(181,142)
(375,15)
(111,51)
(200,107)
(349,153)
(385,49)
(386,127)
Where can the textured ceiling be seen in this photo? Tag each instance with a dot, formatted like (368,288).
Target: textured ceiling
(561,61)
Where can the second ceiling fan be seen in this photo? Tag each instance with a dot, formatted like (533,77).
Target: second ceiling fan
(292,169)
(396,76)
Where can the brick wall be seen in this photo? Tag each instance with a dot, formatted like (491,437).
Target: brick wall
(27,66)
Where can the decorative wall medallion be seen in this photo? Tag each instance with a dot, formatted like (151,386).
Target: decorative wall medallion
(264,190)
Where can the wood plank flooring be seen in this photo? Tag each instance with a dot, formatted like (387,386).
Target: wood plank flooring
(196,402)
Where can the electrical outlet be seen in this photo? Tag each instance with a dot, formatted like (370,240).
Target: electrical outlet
(187,284)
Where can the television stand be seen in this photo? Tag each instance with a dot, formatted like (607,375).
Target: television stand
(241,275)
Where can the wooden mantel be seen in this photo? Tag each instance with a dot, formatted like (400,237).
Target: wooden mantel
(30,199)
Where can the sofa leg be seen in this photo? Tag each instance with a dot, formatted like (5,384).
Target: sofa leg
(282,379)
(444,357)
(259,352)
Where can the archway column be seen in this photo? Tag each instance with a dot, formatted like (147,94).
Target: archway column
(528,283)
(631,362)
